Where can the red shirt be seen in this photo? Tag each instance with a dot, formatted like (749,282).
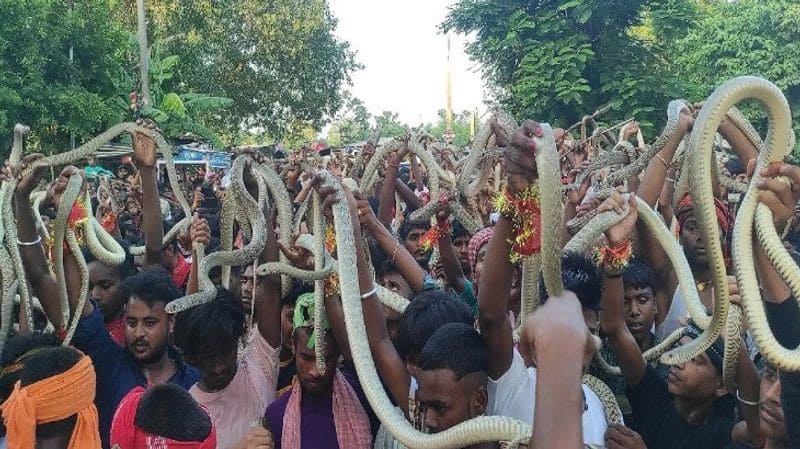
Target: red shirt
(180,275)
(116,329)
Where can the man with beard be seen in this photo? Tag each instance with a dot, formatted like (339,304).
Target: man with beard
(147,358)
(323,409)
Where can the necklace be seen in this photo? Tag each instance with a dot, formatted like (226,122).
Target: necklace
(703,285)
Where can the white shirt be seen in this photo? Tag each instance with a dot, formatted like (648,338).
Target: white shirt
(514,395)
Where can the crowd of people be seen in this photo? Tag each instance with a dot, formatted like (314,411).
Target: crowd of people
(241,371)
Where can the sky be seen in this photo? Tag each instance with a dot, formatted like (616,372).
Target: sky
(405,58)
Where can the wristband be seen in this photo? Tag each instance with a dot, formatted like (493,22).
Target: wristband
(370,293)
(31,243)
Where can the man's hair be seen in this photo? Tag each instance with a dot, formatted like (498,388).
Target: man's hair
(582,277)
(456,347)
(298,288)
(44,364)
(169,411)
(638,275)
(16,352)
(406,228)
(735,166)
(380,260)
(217,325)
(458,230)
(426,313)
(126,269)
(19,345)
(152,284)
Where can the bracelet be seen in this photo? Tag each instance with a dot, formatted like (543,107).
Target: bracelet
(394,253)
(31,243)
(744,401)
(370,293)
(662,161)
(614,260)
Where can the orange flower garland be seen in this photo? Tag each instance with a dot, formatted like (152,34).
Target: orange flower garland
(431,238)
(330,239)
(525,214)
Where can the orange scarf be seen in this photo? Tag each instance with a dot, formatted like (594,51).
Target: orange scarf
(53,399)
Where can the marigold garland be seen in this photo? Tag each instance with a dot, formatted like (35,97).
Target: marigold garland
(332,285)
(78,216)
(525,214)
(330,239)
(431,238)
(614,259)
(109,222)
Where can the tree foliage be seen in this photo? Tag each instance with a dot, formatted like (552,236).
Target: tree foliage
(41,87)
(561,59)
(351,125)
(181,114)
(278,60)
(461,128)
(557,60)
(388,124)
(748,37)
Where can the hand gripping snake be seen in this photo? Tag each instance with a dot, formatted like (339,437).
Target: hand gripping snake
(101,244)
(474,430)
(751,214)
(240,257)
(12,268)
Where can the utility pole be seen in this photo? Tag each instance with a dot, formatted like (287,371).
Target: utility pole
(144,51)
(449,135)
(71,67)
(448,118)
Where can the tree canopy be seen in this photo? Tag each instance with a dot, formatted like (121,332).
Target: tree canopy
(557,60)
(41,87)
(279,61)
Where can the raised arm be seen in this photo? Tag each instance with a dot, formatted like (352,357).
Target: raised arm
(612,314)
(447,255)
(656,171)
(386,199)
(495,281)
(405,263)
(407,195)
(391,367)
(267,294)
(144,150)
(33,257)
(495,284)
(556,337)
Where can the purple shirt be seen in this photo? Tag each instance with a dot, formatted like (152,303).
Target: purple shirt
(317,428)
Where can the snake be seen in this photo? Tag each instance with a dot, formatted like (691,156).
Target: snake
(475,430)
(751,215)
(239,257)
(101,244)
(96,143)
(673,114)
(14,268)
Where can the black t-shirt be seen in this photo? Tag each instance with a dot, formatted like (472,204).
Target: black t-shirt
(660,425)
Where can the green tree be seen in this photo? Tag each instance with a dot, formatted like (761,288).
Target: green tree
(746,37)
(351,125)
(42,88)
(557,60)
(179,114)
(461,137)
(388,124)
(279,61)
